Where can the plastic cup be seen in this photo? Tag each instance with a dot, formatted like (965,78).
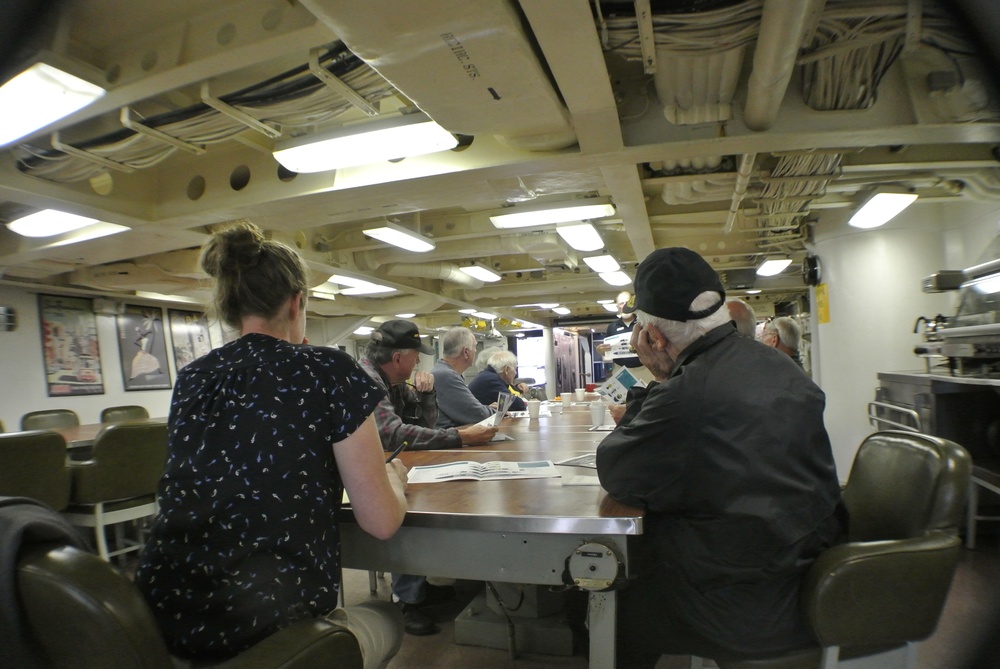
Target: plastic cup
(534,406)
(597,412)
(567,399)
(581,394)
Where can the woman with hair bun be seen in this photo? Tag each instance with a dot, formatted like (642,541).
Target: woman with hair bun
(265,434)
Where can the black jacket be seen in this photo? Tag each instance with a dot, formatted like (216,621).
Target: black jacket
(732,462)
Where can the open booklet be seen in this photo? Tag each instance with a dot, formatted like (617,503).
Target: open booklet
(495,470)
(504,401)
(617,386)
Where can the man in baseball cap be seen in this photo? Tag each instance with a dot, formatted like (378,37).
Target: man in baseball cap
(400,334)
(405,418)
(727,453)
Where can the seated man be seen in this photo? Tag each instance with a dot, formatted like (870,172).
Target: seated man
(498,377)
(783,333)
(728,455)
(456,405)
(407,414)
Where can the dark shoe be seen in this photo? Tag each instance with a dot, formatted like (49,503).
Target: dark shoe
(437,594)
(415,622)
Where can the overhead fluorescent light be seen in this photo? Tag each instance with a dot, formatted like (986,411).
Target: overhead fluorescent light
(480,272)
(38,96)
(405,315)
(548,213)
(562,311)
(613,308)
(581,236)
(603,263)
(773,266)
(467,311)
(48,223)
(616,278)
(358,286)
(397,235)
(547,305)
(388,138)
(95,231)
(364,330)
(880,208)
(484,315)
(752,291)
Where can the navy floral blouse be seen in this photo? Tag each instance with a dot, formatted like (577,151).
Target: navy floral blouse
(246,541)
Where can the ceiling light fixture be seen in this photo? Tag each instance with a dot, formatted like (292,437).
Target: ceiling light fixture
(562,311)
(397,235)
(358,286)
(752,291)
(616,278)
(581,236)
(613,308)
(405,315)
(548,213)
(48,223)
(880,207)
(603,263)
(773,266)
(467,311)
(364,330)
(484,315)
(386,138)
(477,271)
(38,96)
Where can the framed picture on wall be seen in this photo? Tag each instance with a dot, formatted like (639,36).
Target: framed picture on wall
(189,336)
(69,346)
(143,348)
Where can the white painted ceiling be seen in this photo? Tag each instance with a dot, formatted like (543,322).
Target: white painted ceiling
(735,129)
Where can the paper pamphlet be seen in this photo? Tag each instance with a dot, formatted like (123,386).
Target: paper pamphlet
(616,388)
(495,470)
(620,346)
(585,460)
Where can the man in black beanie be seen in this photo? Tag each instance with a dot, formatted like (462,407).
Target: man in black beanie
(728,455)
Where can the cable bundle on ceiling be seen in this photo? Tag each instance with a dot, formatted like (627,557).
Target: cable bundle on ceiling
(295,98)
(712,31)
(856,42)
(794,182)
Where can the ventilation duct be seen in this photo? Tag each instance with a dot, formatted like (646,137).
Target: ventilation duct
(487,78)
(442,271)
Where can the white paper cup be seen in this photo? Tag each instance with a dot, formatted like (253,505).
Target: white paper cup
(534,406)
(567,399)
(597,412)
(581,394)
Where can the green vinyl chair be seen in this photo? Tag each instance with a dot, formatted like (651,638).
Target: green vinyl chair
(33,464)
(49,418)
(118,484)
(871,600)
(123,413)
(79,612)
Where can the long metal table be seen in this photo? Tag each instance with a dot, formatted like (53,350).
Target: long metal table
(514,531)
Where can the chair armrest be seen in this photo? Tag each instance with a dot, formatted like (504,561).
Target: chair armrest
(304,645)
(880,592)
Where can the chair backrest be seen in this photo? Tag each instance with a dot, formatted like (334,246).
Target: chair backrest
(123,413)
(128,460)
(33,464)
(81,612)
(49,418)
(887,586)
(903,484)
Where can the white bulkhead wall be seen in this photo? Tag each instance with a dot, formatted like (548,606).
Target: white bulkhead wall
(874,286)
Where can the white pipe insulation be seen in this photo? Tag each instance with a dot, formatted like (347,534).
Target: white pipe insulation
(442,271)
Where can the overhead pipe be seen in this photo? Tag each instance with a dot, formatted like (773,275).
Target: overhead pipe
(782,25)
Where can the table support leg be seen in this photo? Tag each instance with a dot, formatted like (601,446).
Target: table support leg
(602,616)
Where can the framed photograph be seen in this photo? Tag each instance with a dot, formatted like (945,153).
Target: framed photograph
(143,348)
(70,346)
(188,335)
